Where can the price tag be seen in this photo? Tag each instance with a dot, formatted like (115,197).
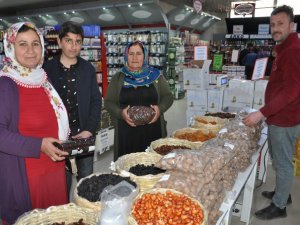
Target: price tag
(165,177)
(231,146)
(170,155)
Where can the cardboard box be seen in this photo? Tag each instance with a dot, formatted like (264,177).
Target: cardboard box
(214,100)
(259,93)
(194,78)
(197,99)
(239,94)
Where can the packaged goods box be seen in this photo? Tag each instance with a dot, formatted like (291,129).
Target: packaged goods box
(196,78)
(259,93)
(238,95)
(215,100)
(197,99)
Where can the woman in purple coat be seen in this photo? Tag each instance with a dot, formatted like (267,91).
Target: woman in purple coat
(32,117)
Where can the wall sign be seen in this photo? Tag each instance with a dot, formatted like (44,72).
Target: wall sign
(218,62)
(200,52)
(263,28)
(234,55)
(244,8)
(259,68)
(238,29)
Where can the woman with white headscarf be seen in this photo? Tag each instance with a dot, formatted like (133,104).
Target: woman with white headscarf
(32,117)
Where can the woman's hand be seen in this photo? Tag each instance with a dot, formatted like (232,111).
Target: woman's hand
(126,117)
(50,150)
(253,118)
(157,113)
(82,134)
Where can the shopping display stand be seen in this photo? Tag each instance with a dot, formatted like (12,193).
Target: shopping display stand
(244,182)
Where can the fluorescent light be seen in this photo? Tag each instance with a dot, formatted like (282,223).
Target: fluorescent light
(129,5)
(141,4)
(103,8)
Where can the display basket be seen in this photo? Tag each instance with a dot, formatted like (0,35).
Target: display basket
(132,221)
(69,213)
(125,162)
(83,202)
(163,146)
(211,123)
(197,136)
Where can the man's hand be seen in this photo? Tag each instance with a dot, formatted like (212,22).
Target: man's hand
(253,118)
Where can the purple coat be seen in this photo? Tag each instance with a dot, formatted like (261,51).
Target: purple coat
(14,190)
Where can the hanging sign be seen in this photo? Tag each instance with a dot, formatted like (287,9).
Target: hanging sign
(200,52)
(244,8)
(197,4)
(218,62)
(259,68)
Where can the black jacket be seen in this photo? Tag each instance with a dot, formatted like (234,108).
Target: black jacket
(88,94)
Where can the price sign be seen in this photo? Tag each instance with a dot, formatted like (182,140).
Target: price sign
(200,53)
(218,62)
(259,68)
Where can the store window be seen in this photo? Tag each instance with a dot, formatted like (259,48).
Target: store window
(293,3)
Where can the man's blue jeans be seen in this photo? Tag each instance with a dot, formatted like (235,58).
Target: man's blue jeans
(282,142)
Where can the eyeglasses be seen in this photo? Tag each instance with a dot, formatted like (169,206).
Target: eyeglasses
(70,41)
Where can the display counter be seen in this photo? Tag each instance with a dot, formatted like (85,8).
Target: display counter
(244,182)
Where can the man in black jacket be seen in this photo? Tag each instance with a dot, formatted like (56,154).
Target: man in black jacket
(75,80)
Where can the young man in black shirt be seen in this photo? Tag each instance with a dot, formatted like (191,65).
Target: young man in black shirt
(75,80)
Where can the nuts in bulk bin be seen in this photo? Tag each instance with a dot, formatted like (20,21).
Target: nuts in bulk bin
(163,146)
(166,207)
(88,190)
(140,167)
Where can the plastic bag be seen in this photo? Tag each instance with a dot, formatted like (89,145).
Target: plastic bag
(116,203)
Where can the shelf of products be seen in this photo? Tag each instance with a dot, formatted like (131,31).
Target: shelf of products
(154,41)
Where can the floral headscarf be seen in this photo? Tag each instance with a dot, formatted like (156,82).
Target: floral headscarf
(33,78)
(146,76)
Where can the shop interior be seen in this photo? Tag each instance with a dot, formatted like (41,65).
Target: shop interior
(173,28)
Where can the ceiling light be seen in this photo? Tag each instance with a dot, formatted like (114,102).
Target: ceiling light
(187,8)
(65,13)
(73,11)
(141,4)
(129,5)
(103,8)
(47,14)
(40,16)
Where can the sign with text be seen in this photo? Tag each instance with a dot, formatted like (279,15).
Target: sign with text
(263,28)
(238,29)
(259,68)
(234,55)
(200,52)
(218,62)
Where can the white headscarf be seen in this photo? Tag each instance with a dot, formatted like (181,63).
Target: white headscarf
(33,78)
